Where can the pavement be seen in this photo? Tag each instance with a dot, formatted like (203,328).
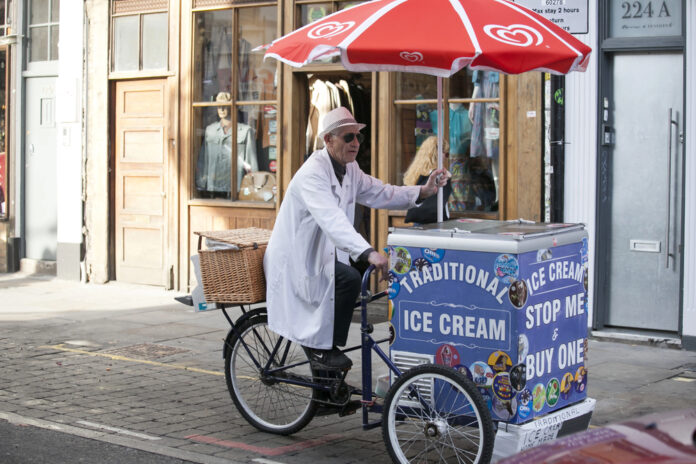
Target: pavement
(128,365)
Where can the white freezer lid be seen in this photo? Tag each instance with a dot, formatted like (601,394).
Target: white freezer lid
(515,236)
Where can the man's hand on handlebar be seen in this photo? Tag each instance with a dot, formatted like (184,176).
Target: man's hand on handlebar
(381,264)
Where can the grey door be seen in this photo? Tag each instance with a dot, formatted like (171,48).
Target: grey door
(646,192)
(40,174)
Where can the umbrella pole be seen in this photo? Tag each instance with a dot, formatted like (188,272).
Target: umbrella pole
(440,130)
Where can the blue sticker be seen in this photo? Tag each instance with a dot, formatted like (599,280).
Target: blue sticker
(393,289)
(523,409)
(506,268)
(482,373)
(502,387)
(434,256)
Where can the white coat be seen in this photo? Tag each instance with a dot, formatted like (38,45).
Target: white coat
(314,227)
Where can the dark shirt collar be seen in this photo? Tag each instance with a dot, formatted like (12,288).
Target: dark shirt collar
(339,169)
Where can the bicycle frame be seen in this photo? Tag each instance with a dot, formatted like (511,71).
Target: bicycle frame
(367,346)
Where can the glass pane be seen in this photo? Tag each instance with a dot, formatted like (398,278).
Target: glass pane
(38,44)
(212,54)
(645,19)
(54,43)
(39,12)
(155,40)
(461,85)
(2,14)
(415,123)
(478,178)
(125,46)
(214,164)
(257,78)
(268,138)
(314,12)
(344,5)
(213,148)
(55,11)
(412,86)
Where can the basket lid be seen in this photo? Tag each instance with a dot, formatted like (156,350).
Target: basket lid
(242,238)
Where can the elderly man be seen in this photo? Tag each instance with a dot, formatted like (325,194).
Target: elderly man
(311,287)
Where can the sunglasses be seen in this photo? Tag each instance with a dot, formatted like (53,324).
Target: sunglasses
(353,135)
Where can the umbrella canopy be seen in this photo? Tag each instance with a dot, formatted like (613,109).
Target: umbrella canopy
(437,37)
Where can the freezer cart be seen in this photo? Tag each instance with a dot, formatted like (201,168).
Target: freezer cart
(505,303)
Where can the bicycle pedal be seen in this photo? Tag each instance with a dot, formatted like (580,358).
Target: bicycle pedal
(350,408)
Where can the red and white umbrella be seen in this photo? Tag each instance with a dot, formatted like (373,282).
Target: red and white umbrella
(436,37)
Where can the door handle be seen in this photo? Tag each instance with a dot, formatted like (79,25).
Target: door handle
(672,122)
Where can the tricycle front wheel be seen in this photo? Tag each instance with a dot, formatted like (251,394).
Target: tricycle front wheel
(433,413)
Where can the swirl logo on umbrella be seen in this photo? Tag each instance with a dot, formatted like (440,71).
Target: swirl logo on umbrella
(519,35)
(412,57)
(330,29)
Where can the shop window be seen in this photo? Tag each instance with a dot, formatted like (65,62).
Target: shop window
(140,41)
(4,202)
(235,103)
(43,30)
(471,116)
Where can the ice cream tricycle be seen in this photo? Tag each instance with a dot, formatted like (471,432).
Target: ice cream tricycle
(485,349)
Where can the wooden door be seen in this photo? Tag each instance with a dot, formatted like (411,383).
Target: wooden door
(140,214)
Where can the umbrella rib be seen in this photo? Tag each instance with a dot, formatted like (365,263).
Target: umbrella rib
(467,25)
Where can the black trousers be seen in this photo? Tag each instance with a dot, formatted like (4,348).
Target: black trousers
(348,280)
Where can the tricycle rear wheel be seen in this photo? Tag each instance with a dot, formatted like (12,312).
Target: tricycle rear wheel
(265,401)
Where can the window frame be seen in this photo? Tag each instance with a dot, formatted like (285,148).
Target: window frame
(49,24)
(446,101)
(140,72)
(236,104)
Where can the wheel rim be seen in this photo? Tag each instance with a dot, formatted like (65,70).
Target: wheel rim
(275,405)
(447,430)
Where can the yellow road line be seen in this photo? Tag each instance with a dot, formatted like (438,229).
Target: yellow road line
(116,357)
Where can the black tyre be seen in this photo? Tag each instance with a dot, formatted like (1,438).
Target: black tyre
(433,413)
(266,403)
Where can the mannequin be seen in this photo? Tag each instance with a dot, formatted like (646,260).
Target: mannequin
(213,169)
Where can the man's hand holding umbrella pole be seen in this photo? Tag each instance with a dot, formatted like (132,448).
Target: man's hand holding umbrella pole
(437,179)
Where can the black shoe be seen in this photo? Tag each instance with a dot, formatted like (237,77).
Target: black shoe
(328,359)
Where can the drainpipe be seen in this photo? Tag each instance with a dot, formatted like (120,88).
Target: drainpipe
(557,141)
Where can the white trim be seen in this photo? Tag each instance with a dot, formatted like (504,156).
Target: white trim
(689,147)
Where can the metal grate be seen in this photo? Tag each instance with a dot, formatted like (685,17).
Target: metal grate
(146,351)
(138,6)
(218,3)
(404,361)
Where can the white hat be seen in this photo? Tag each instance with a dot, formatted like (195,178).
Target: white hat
(338,117)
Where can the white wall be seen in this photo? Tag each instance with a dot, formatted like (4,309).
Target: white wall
(580,149)
(689,319)
(69,123)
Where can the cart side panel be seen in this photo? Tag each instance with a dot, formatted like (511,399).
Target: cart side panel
(470,310)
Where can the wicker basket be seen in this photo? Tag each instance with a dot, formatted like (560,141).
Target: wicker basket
(234,275)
